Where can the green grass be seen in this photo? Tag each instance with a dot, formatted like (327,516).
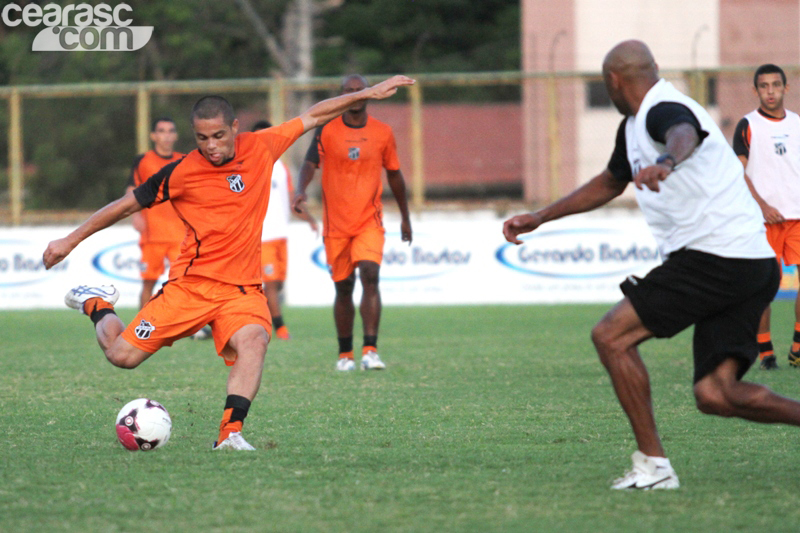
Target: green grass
(487,419)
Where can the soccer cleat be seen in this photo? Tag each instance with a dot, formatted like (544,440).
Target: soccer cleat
(345,364)
(372,361)
(283,333)
(76,297)
(235,441)
(771,363)
(794,359)
(646,474)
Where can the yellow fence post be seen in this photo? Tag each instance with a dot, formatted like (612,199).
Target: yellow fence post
(15,156)
(277,101)
(417,155)
(142,120)
(553,139)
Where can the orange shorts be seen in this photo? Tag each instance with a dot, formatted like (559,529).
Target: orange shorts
(785,240)
(273,260)
(183,306)
(153,256)
(344,253)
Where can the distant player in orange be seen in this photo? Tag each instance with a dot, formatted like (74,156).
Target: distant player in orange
(160,229)
(274,250)
(221,191)
(353,151)
(767,141)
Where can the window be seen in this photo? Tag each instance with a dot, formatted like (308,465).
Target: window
(596,95)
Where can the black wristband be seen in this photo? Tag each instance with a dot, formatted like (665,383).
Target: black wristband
(663,158)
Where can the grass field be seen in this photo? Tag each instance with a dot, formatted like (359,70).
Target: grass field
(487,419)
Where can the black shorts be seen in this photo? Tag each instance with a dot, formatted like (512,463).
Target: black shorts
(724,298)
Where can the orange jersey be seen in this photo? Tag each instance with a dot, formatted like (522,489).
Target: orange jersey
(352,162)
(163,224)
(222,207)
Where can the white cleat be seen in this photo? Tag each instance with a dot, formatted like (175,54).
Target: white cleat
(76,297)
(648,474)
(345,364)
(235,441)
(371,361)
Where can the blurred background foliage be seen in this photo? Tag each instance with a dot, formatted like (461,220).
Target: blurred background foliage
(78,151)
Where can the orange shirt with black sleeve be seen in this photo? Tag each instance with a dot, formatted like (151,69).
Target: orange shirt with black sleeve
(163,224)
(222,206)
(352,160)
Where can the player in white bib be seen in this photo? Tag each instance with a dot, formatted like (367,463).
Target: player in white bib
(767,141)
(274,236)
(719,272)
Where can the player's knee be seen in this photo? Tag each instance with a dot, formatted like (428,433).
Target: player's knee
(122,358)
(370,275)
(345,287)
(712,400)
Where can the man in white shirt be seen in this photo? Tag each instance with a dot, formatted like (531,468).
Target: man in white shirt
(719,273)
(767,141)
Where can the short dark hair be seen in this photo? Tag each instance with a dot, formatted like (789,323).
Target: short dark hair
(768,68)
(211,107)
(359,77)
(155,123)
(261,125)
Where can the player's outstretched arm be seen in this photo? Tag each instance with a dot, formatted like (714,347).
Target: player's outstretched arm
(327,110)
(682,139)
(398,186)
(598,191)
(58,249)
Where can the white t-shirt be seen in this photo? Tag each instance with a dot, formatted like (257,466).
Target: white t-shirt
(773,163)
(276,223)
(704,204)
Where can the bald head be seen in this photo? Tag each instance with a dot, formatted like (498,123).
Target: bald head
(629,71)
(631,60)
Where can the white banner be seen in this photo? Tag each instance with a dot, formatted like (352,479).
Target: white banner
(454,259)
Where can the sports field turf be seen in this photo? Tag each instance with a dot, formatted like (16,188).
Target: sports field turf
(487,419)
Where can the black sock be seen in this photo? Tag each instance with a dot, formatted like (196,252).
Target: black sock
(97,315)
(796,337)
(277,321)
(240,405)
(371,340)
(345,344)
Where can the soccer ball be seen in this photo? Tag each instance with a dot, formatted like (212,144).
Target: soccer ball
(143,425)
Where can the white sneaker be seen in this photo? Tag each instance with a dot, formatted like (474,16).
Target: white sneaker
(371,361)
(235,441)
(76,297)
(345,364)
(646,474)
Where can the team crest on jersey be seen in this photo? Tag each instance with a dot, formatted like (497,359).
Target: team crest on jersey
(780,148)
(235,182)
(354,152)
(144,329)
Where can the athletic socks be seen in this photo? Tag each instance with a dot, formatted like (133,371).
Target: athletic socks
(277,322)
(371,342)
(796,339)
(765,348)
(236,408)
(346,347)
(97,308)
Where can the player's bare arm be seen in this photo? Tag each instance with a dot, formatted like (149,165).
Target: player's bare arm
(597,192)
(682,139)
(307,172)
(58,249)
(771,215)
(398,186)
(327,110)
